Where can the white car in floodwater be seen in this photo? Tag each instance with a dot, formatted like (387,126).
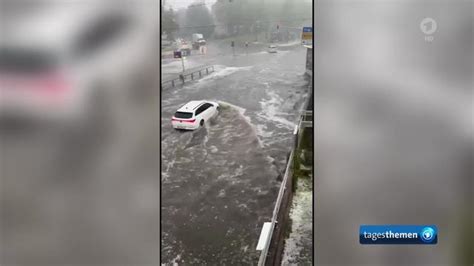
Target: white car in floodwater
(194,114)
(272,49)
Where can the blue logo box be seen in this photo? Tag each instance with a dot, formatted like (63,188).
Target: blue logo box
(398,234)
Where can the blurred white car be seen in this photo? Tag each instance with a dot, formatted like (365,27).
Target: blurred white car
(194,114)
(65,62)
(272,49)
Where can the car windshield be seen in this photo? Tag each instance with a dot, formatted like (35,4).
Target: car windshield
(183,115)
(19,60)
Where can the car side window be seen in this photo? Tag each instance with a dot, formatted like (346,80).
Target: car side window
(206,106)
(200,109)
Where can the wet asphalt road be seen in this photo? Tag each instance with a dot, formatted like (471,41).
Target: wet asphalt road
(219,183)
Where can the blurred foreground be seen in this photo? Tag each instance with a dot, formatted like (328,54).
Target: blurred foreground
(394,121)
(79,133)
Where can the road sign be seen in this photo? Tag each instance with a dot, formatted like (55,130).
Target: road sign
(177,54)
(307,36)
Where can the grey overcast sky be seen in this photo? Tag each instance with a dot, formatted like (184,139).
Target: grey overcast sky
(177,4)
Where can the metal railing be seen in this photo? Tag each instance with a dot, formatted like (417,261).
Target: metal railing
(194,72)
(276,210)
(304,121)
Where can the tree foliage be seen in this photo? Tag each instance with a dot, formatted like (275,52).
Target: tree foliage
(169,25)
(234,17)
(198,19)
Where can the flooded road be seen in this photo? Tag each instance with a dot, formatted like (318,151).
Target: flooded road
(219,183)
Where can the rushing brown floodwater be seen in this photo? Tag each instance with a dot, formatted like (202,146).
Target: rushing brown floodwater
(219,183)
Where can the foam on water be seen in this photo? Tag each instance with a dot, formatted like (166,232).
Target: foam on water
(263,131)
(221,71)
(246,118)
(170,164)
(289,44)
(270,110)
(214,149)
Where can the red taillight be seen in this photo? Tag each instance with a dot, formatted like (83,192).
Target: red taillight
(54,83)
(51,83)
(181,120)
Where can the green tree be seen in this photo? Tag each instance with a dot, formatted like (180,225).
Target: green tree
(169,25)
(199,20)
(251,16)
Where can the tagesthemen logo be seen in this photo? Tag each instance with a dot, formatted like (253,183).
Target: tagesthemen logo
(428,234)
(398,234)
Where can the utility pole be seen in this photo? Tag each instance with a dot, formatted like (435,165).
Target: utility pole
(182,62)
(182,74)
(257,29)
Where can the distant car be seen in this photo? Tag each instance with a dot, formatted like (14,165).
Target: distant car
(194,114)
(184,51)
(198,40)
(272,49)
(184,48)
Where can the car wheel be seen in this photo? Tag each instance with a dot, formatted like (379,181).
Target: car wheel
(201,123)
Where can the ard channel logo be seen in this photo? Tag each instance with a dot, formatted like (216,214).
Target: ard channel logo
(398,235)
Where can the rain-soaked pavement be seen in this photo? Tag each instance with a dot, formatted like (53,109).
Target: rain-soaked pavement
(219,183)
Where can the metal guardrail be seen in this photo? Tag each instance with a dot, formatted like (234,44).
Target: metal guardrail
(276,210)
(307,115)
(181,77)
(305,121)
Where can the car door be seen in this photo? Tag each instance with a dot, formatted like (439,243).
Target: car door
(200,114)
(212,110)
(208,111)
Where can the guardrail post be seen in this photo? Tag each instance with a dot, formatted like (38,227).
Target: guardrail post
(295,134)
